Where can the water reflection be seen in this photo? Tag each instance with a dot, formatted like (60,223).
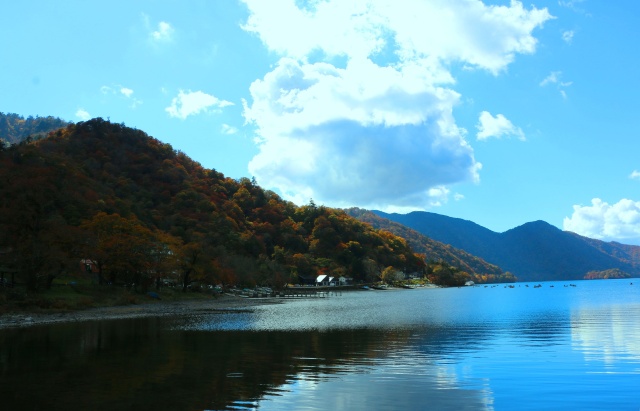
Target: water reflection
(139,364)
(607,333)
(476,348)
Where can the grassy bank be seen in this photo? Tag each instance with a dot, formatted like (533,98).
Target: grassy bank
(74,296)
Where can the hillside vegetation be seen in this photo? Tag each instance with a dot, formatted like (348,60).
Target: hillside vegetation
(135,211)
(15,128)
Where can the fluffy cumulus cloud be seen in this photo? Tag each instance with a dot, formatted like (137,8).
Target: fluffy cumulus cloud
(635,175)
(604,221)
(361,114)
(189,103)
(499,126)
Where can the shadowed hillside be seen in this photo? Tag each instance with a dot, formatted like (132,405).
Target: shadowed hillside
(535,251)
(138,212)
(478,269)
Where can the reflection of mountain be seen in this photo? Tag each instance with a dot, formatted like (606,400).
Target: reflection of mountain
(607,334)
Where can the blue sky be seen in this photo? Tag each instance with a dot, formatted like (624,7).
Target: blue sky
(497,112)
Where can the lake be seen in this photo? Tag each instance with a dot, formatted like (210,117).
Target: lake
(477,348)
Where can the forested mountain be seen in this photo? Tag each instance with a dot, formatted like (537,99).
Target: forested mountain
(535,251)
(435,251)
(15,128)
(137,211)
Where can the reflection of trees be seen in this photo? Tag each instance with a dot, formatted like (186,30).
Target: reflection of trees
(138,364)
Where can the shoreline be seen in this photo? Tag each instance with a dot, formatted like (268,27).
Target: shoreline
(148,308)
(221,303)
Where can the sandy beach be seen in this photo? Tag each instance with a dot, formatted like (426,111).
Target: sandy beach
(147,309)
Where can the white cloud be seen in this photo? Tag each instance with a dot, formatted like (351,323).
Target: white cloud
(127,92)
(83,114)
(458,197)
(194,102)
(462,30)
(160,33)
(567,36)
(635,175)
(498,126)
(555,78)
(552,78)
(439,195)
(600,220)
(365,132)
(163,33)
(574,5)
(227,129)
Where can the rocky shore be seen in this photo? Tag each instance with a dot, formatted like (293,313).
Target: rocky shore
(147,309)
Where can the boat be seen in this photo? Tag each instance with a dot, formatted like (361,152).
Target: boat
(408,286)
(380,287)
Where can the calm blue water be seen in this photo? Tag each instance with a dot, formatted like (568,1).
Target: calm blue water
(559,347)
(473,348)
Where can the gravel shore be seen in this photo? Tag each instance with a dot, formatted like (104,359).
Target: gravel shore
(148,309)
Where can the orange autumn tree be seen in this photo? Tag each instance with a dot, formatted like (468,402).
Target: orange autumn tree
(126,251)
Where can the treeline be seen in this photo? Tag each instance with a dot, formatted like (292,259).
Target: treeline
(15,128)
(103,197)
(614,273)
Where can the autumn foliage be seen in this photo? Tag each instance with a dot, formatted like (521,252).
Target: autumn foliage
(146,214)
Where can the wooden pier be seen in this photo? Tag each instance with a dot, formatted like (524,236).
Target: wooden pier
(289,293)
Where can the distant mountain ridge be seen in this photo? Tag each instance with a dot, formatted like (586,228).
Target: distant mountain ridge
(535,251)
(14,128)
(434,250)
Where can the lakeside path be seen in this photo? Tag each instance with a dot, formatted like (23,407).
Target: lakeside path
(223,303)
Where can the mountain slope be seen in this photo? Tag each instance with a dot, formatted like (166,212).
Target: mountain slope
(462,234)
(535,251)
(141,211)
(433,250)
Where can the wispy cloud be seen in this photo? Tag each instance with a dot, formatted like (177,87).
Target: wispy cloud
(499,126)
(635,175)
(123,92)
(552,78)
(555,78)
(574,5)
(324,129)
(567,36)
(190,103)
(227,129)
